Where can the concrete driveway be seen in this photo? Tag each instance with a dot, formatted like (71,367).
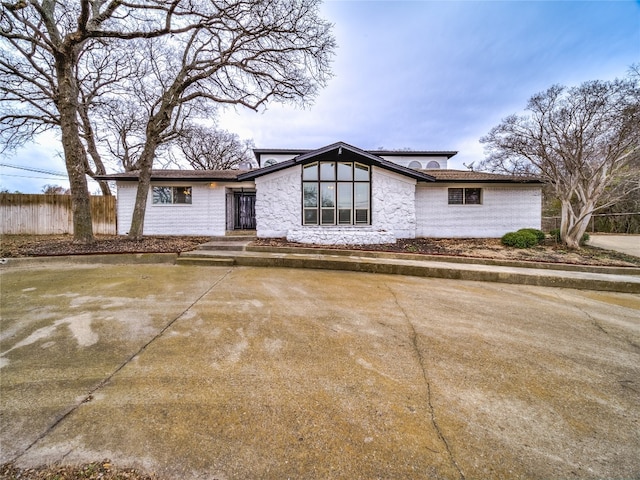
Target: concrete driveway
(629,244)
(243,372)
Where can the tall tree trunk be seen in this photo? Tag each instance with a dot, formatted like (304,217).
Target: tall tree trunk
(157,124)
(137,220)
(73,150)
(573,226)
(93,152)
(144,181)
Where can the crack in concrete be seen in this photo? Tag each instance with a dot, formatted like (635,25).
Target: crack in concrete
(423,368)
(597,324)
(89,396)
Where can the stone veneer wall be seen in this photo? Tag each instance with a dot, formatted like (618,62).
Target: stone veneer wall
(393,203)
(278,203)
(279,211)
(340,235)
(504,209)
(204,216)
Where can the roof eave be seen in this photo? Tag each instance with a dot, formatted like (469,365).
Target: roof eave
(506,181)
(174,176)
(410,153)
(259,172)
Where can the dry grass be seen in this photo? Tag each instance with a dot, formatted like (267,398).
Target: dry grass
(13,246)
(91,471)
(489,248)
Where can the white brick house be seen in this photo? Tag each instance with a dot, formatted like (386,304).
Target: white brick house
(337,194)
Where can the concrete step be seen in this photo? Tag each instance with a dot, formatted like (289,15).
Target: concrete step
(232,235)
(237,245)
(205,261)
(401,264)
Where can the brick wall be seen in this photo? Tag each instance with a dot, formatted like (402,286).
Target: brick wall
(204,216)
(504,209)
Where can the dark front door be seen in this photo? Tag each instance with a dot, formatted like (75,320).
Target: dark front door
(244,210)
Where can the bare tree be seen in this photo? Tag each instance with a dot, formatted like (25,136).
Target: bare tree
(50,189)
(42,41)
(104,68)
(206,148)
(239,52)
(247,53)
(581,140)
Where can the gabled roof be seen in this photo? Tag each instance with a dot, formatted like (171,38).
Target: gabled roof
(453,176)
(342,150)
(338,151)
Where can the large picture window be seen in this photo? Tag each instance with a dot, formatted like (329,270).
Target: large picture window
(336,193)
(465,196)
(171,195)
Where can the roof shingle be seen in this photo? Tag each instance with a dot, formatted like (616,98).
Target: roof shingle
(470,176)
(453,176)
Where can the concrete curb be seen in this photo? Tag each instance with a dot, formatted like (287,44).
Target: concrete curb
(530,276)
(110,259)
(612,279)
(449,259)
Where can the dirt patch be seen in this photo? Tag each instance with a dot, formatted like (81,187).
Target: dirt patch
(100,470)
(13,246)
(488,248)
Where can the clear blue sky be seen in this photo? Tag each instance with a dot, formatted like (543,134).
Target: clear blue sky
(427,75)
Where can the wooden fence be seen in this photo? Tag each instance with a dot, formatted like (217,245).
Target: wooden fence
(23,214)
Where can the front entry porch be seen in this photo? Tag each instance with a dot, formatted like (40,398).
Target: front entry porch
(241,210)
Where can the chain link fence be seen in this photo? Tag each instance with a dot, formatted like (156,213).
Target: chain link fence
(603,223)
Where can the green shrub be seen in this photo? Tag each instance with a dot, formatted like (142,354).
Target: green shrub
(520,239)
(540,235)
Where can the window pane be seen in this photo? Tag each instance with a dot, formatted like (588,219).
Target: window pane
(328,216)
(336,193)
(310,172)
(362,216)
(361,173)
(328,195)
(327,171)
(362,195)
(310,216)
(162,195)
(345,172)
(310,194)
(182,195)
(344,216)
(472,196)
(345,195)
(455,196)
